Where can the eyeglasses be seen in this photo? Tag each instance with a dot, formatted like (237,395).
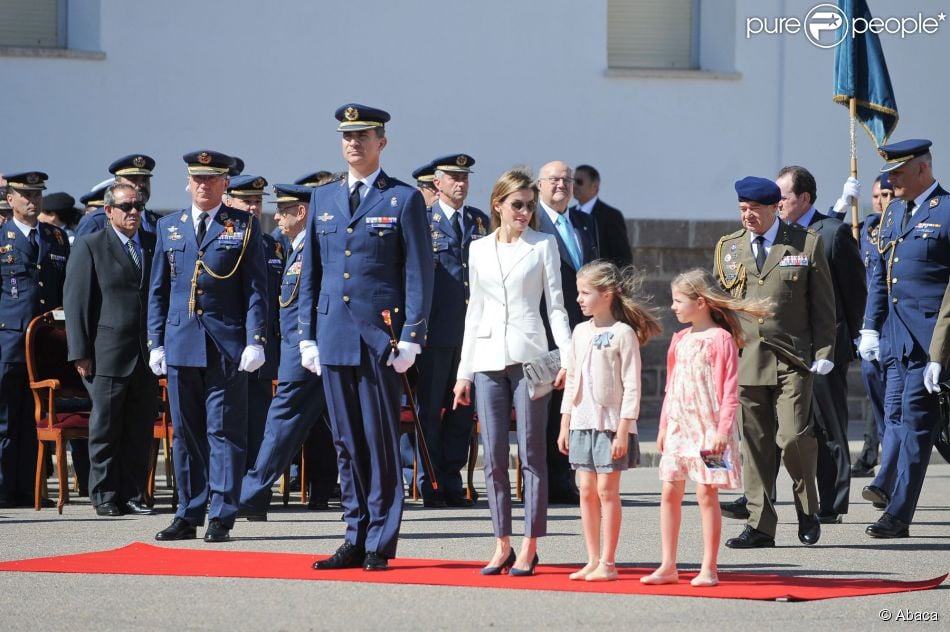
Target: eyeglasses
(518,205)
(554,180)
(128,207)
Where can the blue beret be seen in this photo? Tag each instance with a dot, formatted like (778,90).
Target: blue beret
(206,162)
(885,182)
(237,168)
(132,165)
(761,190)
(897,154)
(354,117)
(247,185)
(314,179)
(425,173)
(292,192)
(454,162)
(97,196)
(27,180)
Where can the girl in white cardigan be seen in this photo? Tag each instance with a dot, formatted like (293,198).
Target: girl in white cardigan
(602,402)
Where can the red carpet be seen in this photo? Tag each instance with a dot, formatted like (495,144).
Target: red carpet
(144,559)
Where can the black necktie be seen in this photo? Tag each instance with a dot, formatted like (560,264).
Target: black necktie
(457,225)
(908,212)
(34,245)
(355,197)
(202,227)
(134,255)
(760,252)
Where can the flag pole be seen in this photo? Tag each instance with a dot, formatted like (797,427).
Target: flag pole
(853,106)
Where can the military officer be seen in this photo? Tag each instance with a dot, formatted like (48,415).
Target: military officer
(768,258)
(425,176)
(207,321)
(134,170)
(32,270)
(369,236)
(299,403)
(454,226)
(246,193)
(95,199)
(904,297)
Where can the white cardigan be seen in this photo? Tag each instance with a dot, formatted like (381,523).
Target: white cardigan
(503,319)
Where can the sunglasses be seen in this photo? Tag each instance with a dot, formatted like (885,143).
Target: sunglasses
(128,207)
(518,205)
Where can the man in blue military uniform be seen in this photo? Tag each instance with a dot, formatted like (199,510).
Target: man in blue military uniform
(246,193)
(206,328)
(904,296)
(32,270)
(367,251)
(425,176)
(136,171)
(299,403)
(454,226)
(95,199)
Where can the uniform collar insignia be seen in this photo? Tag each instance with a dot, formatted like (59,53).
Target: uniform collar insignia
(934,202)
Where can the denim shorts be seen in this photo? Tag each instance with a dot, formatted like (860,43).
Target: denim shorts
(590,451)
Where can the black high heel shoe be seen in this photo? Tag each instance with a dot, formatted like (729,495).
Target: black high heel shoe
(498,570)
(517,572)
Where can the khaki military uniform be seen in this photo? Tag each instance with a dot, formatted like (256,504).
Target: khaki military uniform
(775,384)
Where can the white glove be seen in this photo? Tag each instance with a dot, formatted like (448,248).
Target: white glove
(310,356)
(252,358)
(822,367)
(406,358)
(932,377)
(156,361)
(850,191)
(869,347)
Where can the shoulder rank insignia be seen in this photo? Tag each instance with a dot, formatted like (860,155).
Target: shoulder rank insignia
(436,217)
(11,234)
(381,182)
(326,217)
(184,217)
(934,202)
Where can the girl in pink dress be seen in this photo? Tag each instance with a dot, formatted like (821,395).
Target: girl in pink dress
(698,436)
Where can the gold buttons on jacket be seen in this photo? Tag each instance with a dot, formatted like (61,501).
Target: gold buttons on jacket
(346,275)
(761,321)
(761,282)
(347,253)
(346,299)
(349,230)
(200,312)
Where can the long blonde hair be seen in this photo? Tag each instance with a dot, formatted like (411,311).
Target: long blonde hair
(509,182)
(725,309)
(628,304)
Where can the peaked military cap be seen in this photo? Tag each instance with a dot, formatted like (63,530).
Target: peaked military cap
(97,196)
(207,162)
(237,168)
(314,179)
(292,192)
(354,117)
(458,163)
(133,165)
(761,190)
(27,180)
(425,173)
(58,202)
(898,154)
(247,185)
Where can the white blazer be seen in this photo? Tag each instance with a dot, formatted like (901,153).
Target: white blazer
(503,321)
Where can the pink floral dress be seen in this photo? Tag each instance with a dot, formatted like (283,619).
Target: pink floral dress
(701,400)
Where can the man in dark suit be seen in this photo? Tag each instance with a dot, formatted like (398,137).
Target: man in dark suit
(105,301)
(577,245)
(830,392)
(136,171)
(612,240)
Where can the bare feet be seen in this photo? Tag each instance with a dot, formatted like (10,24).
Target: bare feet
(605,572)
(584,572)
(705,579)
(656,578)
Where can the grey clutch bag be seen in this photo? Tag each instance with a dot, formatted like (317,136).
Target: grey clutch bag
(541,372)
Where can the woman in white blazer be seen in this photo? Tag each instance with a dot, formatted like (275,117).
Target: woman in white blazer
(508,275)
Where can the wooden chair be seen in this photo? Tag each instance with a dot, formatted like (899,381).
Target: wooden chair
(61,402)
(473,457)
(163,433)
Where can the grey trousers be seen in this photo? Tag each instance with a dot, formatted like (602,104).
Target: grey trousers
(495,393)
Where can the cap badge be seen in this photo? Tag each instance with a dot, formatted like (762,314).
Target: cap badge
(882,153)
(259,183)
(138,161)
(32,178)
(351,113)
(461,161)
(204,158)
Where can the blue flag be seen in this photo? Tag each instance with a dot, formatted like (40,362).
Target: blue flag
(861,72)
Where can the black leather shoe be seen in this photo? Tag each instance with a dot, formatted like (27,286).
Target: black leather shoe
(737,509)
(318,504)
(878,497)
(178,530)
(375,562)
(860,469)
(829,518)
(809,529)
(137,508)
(459,501)
(217,532)
(751,538)
(347,556)
(888,526)
(433,503)
(255,516)
(108,509)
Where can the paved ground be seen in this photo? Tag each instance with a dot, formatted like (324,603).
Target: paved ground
(102,602)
